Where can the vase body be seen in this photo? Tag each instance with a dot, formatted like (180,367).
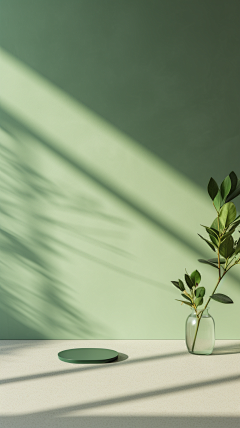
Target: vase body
(205,338)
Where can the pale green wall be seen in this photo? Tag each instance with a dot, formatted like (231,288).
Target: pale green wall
(114,115)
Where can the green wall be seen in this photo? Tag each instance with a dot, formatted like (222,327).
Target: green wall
(114,115)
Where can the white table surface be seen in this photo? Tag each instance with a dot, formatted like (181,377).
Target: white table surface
(154,383)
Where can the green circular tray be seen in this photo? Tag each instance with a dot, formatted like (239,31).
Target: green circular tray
(87,355)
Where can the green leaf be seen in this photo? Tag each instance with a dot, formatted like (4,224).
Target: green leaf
(211,232)
(227,213)
(215,260)
(233,226)
(214,240)
(208,242)
(186,297)
(225,187)
(186,303)
(237,249)
(214,225)
(188,281)
(200,292)
(198,301)
(195,277)
(237,217)
(217,201)
(181,285)
(207,263)
(212,188)
(235,193)
(221,298)
(226,235)
(234,181)
(176,284)
(213,235)
(215,231)
(226,248)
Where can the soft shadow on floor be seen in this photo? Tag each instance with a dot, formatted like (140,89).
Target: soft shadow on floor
(121,357)
(76,369)
(228,349)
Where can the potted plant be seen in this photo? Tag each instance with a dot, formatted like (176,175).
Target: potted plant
(199,329)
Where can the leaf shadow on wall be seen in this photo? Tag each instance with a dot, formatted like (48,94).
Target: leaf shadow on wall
(28,250)
(29,246)
(14,123)
(33,298)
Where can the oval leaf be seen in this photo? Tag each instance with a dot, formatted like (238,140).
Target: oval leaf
(207,262)
(237,249)
(186,303)
(208,242)
(227,213)
(217,224)
(221,298)
(215,231)
(198,301)
(226,248)
(188,281)
(176,284)
(215,260)
(200,292)
(217,201)
(225,187)
(196,277)
(233,226)
(235,193)
(211,231)
(234,181)
(212,188)
(237,217)
(226,235)
(214,235)
(181,285)
(214,240)
(186,297)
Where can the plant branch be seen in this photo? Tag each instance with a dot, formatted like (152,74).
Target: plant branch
(199,318)
(230,186)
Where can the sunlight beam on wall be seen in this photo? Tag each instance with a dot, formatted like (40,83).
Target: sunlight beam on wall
(116,219)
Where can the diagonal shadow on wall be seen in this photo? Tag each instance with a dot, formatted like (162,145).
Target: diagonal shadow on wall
(26,252)
(13,122)
(154,71)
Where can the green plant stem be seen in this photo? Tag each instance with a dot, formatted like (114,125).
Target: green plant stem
(198,321)
(199,318)
(226,269)
(219,279)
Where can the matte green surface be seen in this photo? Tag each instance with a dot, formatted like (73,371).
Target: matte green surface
(114,115)
(88,355)
(164,72)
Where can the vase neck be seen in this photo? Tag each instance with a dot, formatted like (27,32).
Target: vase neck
(205,312)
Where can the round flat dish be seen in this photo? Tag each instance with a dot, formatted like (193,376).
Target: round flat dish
(88,356)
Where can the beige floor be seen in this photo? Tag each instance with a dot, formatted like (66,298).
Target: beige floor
(155,383)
